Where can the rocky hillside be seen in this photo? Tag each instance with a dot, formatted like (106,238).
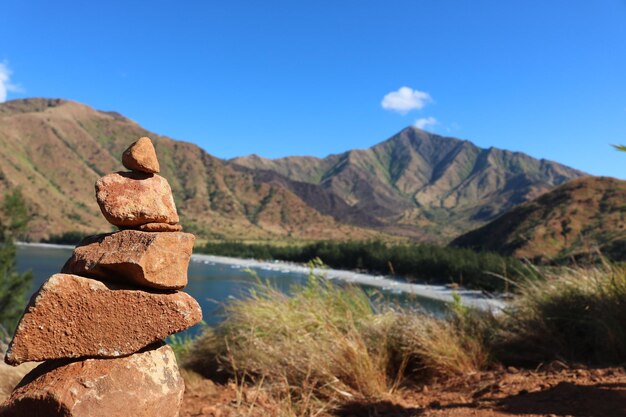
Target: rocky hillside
(574,220)
(55,150)
(420,184)
(414,184)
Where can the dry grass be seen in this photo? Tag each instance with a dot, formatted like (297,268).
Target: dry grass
(317,343)
(434,346)
(571,314)
(324,345)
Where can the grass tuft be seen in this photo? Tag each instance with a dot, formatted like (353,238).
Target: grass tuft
(571,314)
(456,345)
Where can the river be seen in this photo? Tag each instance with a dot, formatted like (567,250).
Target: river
(214,280)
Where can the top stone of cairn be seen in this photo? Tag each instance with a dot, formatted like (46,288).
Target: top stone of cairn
(141,156)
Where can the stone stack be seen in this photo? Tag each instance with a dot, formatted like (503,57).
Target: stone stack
(99,325)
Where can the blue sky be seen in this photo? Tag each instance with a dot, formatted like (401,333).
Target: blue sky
(282,78)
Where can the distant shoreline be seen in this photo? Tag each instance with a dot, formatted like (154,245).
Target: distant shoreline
(45,245)
(434,292)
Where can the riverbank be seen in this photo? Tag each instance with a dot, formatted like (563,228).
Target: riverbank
(472,298)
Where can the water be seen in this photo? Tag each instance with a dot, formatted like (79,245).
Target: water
(214,281)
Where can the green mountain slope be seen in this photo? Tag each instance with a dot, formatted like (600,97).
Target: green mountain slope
(573,220)
(56,149)
(423,185)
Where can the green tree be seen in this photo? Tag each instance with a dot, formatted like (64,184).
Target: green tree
(14,286)
(15,213)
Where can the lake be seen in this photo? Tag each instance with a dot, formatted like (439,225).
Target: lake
(214,281)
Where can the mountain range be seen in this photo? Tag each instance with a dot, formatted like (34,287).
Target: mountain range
(421,185)
(414,185)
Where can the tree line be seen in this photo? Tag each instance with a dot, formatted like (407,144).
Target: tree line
(416,262)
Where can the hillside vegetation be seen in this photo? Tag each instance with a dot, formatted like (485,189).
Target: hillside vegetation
(415,184)
(420,184)
(56,150)
(577,220)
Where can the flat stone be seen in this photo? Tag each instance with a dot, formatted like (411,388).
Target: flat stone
(145,384)
(73,317)
(141,156)
(131,257)
(135,198)
(160,227)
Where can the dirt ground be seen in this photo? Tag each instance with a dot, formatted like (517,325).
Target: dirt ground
(545,392)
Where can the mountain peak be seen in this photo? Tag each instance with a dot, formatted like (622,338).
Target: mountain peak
(422,184)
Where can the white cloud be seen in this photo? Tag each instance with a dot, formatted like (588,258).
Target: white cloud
(5,82)
(405,99)
(424,122)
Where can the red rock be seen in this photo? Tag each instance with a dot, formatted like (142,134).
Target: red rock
(72,317)
(135,198)
(146,384)
(132,257)
(159,227)
(141,156)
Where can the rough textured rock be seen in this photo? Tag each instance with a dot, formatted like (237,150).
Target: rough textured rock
(141,156)
(160,227)
(72,316)
(149,259)
(146,384)
(135,198)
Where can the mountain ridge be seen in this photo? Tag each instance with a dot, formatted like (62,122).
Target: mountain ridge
(417,171)
(56,149)
(414,184)
(577,219)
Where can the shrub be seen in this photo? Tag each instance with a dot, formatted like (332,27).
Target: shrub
(573,314)
(318,337)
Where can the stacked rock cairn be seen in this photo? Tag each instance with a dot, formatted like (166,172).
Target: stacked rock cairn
(99,325)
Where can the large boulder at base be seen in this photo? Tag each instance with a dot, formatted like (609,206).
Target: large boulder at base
(149,259)
(135,198)
(146,384)
(141,156)
(72,317)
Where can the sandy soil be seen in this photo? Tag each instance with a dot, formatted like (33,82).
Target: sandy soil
(545,392)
